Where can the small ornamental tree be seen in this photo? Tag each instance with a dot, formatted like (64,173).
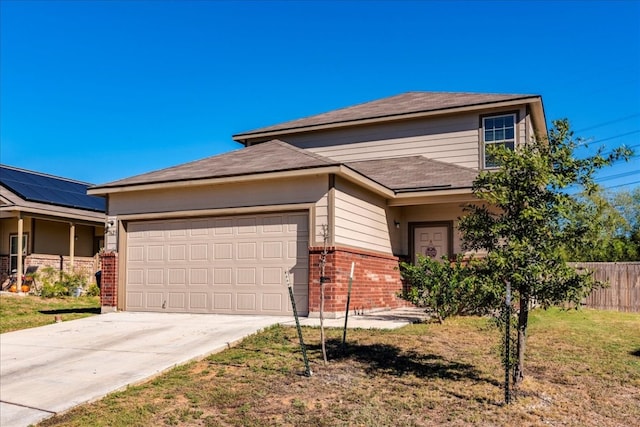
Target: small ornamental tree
(527,221)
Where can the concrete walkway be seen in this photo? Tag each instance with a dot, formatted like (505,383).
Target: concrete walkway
(51,369)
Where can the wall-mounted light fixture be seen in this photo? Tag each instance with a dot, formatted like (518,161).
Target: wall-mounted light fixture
(396,223)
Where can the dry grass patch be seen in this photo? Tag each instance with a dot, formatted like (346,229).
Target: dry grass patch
(582,367)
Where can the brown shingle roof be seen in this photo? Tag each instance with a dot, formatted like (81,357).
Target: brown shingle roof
(415,173)
(272,156)
(398,174)
(398,105)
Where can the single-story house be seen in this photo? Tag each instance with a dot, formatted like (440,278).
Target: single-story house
(372,184)
(48,220)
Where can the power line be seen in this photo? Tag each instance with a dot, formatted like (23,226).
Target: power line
(622,185)
(620,175)
(617,136)
(588,141)
(621,119)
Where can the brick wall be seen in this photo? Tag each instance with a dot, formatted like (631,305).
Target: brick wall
(86,265)
(376,281)
(109,281)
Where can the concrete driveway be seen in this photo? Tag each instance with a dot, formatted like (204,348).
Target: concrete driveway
(47,370)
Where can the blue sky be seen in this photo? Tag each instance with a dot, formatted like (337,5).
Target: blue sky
(102,90)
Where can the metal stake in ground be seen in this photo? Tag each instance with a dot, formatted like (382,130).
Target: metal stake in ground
(346,313)
(307,370)
(507,339)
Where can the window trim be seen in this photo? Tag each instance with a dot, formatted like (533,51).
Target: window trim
(25,249)
(483,144)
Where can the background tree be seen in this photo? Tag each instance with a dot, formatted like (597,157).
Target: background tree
(607,222)
(528,220)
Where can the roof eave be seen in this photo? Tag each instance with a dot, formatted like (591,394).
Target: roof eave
(340,170)
(429,197)
(185,183)
(245,138)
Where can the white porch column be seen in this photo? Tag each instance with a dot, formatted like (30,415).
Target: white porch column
(72,244)
(20,249)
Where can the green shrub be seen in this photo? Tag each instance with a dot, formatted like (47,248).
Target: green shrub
(55,283)
(446,288)
(93,290)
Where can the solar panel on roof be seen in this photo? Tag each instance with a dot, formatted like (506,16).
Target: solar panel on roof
(51,190)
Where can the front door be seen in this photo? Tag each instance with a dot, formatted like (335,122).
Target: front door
(433,241)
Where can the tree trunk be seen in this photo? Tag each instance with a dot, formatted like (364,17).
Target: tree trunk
(523,319)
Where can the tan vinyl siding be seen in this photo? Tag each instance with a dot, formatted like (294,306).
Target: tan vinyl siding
(452,139)
(321,218)
(238,195)
(9,227)
(360,219)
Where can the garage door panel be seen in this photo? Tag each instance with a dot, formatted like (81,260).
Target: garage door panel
(198,301)
(198,276)
(153,253)
(177,301)
(198,252)
(272,250)
(155,277)
(199,228)
(154,300)
(245,226)
(246,276)
(222,301)
(246,302)
(219,265)
(135,253)
(247,251)
(273,276)
(273,302)
(222,251)
(136,276)
(222,276)
(135,300)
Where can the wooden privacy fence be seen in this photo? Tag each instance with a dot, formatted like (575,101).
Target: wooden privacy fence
(623,293)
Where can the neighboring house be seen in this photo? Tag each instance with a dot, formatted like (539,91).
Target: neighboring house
(387,179)
(48,221)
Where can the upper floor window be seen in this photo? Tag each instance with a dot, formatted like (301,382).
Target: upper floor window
(498,130)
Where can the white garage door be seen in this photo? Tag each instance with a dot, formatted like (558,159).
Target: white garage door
(218,265)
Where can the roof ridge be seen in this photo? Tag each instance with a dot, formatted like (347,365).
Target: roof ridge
(417,156)
(394,107)
(300,150)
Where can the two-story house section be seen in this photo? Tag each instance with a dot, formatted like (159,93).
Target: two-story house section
(372,184)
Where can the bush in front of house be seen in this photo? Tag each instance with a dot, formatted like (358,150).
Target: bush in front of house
(447,288)
(55,283)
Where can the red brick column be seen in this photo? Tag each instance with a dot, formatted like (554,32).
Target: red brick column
(109,282)
(376,281)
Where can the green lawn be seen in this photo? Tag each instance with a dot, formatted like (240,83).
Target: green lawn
(582,369)
(28,311)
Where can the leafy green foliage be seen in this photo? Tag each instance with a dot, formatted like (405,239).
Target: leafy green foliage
(55,283)
(609,224)
(446,288)
(529,218)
